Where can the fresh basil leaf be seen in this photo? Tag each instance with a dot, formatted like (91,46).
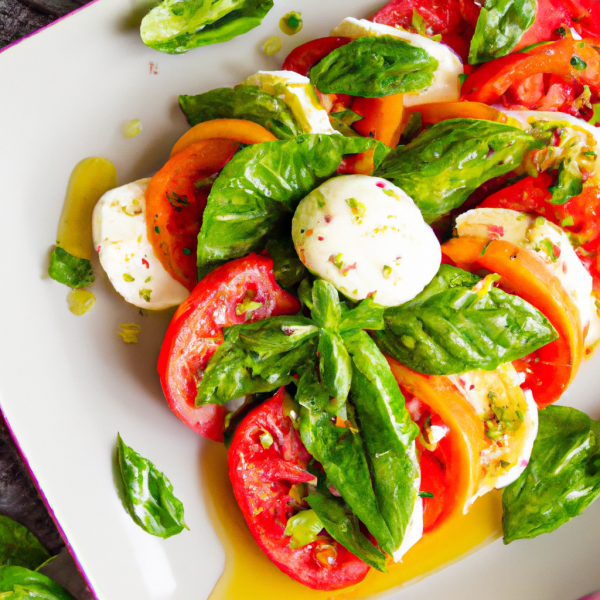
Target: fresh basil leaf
(326,309)
(373,67)
(388,434)
(341,452)
(19,547)
(70,270)
(367,315)
(311,392)
(445,164)
(344,527)
(176,26)
(287,267)
(347,116)
(458,329)
(335,366)
(500,27)
(561,479)
(149,494)
(247,102)
(260,187)
(19,583)
(412,128)
(303,527)
(257,357)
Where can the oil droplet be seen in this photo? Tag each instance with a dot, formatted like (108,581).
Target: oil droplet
(129,333)
(80,301)
(131,128)
(250,575)
(291,23)
(272,46)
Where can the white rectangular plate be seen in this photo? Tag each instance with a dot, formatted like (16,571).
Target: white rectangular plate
(69,384)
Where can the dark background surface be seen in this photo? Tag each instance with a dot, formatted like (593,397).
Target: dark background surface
(19,498)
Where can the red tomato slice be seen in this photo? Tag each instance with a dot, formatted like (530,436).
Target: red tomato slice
(174,205)
(262,478)
(195,333)
(303,58)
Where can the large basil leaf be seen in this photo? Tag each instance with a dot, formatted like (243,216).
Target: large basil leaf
(452,328)
(70,270)
(373,67)
(149,494)
(341,452)
(176,26)
(562,478)
(261,187)
(257,357)
(344,527)
(18,546)
(445,164)
(388,434)
(243,102)
(18,583)
(500,26)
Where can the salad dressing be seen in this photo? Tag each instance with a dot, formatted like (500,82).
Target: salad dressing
(248,573)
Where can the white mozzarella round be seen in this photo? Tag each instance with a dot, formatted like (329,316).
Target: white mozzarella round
(445,86)
(531,232)
(126,254)
(505,459)
(366,237)
(298,93)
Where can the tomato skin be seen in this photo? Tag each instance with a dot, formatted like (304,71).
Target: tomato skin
(303,58)
(262,478)
(173,225)
(195,332)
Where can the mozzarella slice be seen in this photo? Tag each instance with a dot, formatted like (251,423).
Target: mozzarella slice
(445,86)
(506,458)
(366,237)
(540,235)
(125,253)
(298,93)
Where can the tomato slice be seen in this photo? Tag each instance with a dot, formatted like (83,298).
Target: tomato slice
(436,112)
(175,202)
(492,80)
(524,273)
(303,58)
(262,479)
(195,332)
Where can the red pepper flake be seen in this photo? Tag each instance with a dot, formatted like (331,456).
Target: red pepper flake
(371,294)
(348,268)
(328,218)
(309,232)
(564,267)
(320,238)
(380,184)
(145,263)
(461,381)
(472,387)
(98,248)
(556,251)
(496,230)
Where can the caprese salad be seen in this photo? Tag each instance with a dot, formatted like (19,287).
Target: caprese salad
(385,258)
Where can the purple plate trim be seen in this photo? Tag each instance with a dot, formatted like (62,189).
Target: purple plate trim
(26,462)
(42,29)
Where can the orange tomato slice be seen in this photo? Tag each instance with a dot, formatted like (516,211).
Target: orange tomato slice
(437,112)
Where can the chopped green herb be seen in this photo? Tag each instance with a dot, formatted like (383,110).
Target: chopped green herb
(291,23)
(177,201)
(504,464)
(548,247)
(462,78)
(357,208)
(561,31)
(145,294)
(387,271)
(567,222)
(148,279)
(187,251)
(426,495)
(128,277)
(578,64)
(266,439)
(157,229)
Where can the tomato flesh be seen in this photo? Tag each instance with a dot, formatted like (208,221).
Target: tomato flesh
(195,332)
(262,478)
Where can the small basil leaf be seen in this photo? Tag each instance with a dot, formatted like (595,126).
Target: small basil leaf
(247,102)
(303,527)
(373,67)
(311,392)
(561,479)
(341,452)
(287,267)
(326,308)
(347,116)
(18,583)
(70,270)
(260,187)
(19,547)
(500,27)
(149,494)
(388,434)
(453,330)
(176,26)
(441,167)
(335,366)
(344,527)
